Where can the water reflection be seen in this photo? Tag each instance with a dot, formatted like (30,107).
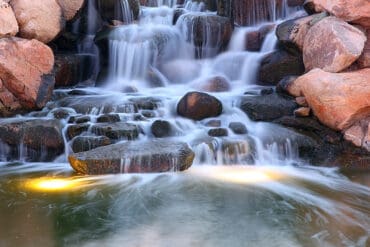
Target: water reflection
(277,206)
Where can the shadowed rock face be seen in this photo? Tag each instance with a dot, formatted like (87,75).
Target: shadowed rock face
(134,157)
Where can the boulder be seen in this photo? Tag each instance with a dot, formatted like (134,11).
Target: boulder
(76,130)
(337,99)
(134,157)
(24,81)
(364,60)
(8,23)
(41,140)
(198,106)
(41,20)
(86,143)
(335,51)
(291,33)
(209,33)
(70,8)
(356,11)
(277,65)
(267,107)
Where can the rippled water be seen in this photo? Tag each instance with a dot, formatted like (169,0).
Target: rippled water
(206,206)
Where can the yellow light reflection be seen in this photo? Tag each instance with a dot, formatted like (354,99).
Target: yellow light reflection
(48,184)
(237,174)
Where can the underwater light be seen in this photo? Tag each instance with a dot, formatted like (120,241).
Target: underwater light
(237,174)
(50,184)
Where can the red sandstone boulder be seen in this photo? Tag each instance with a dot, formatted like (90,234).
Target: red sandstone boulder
(8,23)
(332,45)
(364,60)
(41,20)
(338,100)
(356,11)
(70,8)
(24,65)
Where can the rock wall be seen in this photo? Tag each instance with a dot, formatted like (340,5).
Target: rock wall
(26,62)
(334,43)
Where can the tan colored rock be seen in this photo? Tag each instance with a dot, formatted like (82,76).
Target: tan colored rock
(8,23)
(337,99)
(366,142)
(356,11)
(70,8)
(332,45)
(355,134)
(364,60)
(22,65)
(302,112)
(41,20)
(301,101)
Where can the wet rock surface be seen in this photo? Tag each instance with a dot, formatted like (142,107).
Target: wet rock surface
(277,65)
(198,106)
(86,143)
(267,107)
(134,157)
(117,131)
(34,139)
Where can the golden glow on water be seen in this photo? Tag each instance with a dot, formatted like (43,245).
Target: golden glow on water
(50,184)
(237,174)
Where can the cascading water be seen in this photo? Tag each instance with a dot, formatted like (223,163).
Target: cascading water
(221,200)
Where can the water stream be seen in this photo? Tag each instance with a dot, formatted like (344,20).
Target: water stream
(231,196)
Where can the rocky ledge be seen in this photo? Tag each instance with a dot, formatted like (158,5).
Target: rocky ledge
(134,157)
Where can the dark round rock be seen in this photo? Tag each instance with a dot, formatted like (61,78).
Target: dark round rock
(198,106)
(238,128)
(162,129)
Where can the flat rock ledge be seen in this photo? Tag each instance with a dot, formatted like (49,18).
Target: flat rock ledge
(134,157)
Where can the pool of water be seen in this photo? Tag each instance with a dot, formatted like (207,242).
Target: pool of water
(45,204)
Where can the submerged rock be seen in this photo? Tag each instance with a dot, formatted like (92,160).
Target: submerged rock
(198,106)
(134,157)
